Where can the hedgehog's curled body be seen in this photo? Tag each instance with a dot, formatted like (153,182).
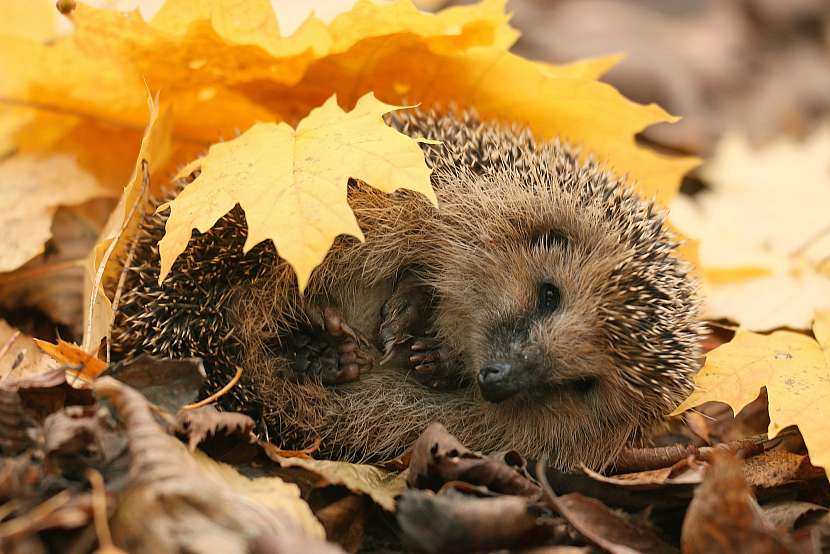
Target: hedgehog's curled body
(613,355)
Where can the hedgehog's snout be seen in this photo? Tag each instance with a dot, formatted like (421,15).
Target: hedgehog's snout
(497,382)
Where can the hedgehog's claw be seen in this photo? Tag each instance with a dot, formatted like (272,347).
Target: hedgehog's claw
(404,314)
(337,355)
(433,364)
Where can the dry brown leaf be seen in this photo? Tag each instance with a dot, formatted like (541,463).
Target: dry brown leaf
(381,485)
(725,518)
(53,281)
(154,152)
(19,355)
(87,366)
(281,498)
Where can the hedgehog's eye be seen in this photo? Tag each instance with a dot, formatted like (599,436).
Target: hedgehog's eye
(549,297)
(549,239)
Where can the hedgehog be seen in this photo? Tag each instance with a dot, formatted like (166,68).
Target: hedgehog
(542,307)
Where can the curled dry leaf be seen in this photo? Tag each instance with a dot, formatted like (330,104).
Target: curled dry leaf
(101,264)
(18,430)
(601,526)
(19,355)
(201,423)
(724,516)
(47,392)
(786,515)
(779,467)
(438,457)
(457,523)
(380,485)
(215,507)
(80,437)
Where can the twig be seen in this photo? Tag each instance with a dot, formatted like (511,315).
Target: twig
(642,459)
(117,298)
(8,344)
(99,509)
(218,394)
(35,516)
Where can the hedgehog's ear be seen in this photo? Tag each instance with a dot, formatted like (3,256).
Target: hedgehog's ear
(549,239)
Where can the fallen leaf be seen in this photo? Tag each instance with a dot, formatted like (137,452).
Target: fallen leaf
(785,514)
(87,366)
(169,384)
(53,281)
(32,189)
(292,183)
(19,355)
(380,485)
(213,504)
(447,523)
(124,220)
(201,423)
(438,457)
(724,516)
(345,520)
(793,367)
(779,467)
(764,238)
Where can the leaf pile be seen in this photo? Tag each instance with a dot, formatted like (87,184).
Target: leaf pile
(457,500)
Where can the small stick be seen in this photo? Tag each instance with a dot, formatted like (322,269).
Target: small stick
(99,511)
(218,394)
(642,459)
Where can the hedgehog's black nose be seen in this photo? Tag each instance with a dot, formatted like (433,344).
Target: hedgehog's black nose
(496,381)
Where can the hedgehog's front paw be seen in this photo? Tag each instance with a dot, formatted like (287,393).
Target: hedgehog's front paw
(434,365)
(337,354)
(404,315)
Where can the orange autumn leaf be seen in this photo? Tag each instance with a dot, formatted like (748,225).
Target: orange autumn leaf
(89,367)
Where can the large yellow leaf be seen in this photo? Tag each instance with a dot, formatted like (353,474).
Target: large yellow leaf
(796,371)
(763,231)
(292,184)
(226,68)
(553,102)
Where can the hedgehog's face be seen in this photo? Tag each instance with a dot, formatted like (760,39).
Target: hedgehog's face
(542,335)
(567,294)
(529,323)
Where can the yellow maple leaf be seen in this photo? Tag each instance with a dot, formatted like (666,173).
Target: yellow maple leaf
(793,367)
(292,183)
(763,232)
